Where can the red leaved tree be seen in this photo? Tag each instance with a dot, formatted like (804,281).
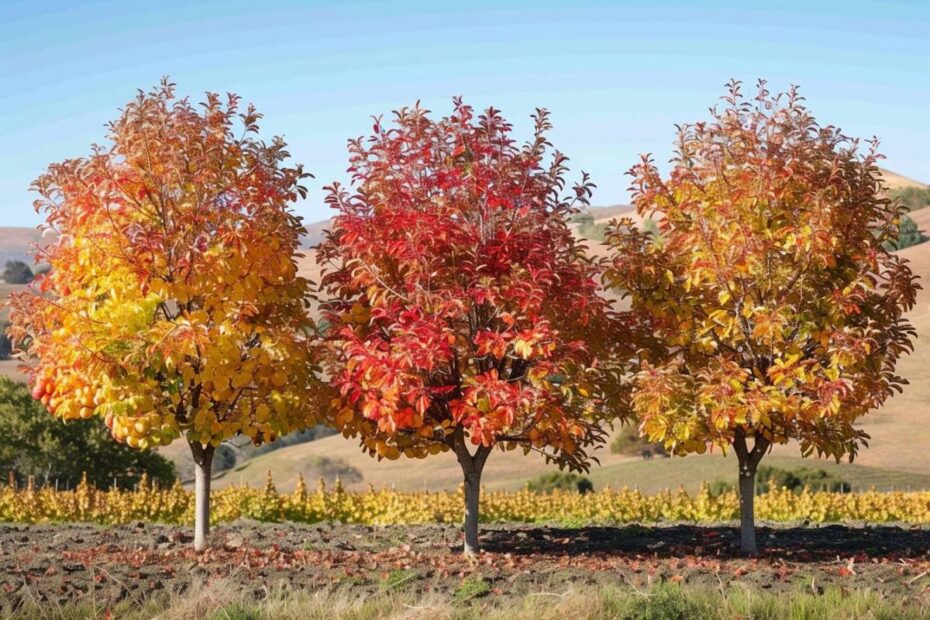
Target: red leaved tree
(462,311)
(779,308)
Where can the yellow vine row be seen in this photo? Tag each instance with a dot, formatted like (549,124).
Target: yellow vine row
(175,505)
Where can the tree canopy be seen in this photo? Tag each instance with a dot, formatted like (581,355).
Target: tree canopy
(778,309)
(173,305)
(53,451)
(462,310)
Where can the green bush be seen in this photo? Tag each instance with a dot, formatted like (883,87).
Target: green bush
(17,272)
(563,481)
(223,458)
(589,229)
(6,347)
(769,478)
(719,487)
(36,444)
(908,235)
(651,226)
(913,198)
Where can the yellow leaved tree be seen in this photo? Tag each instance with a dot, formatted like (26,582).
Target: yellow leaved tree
(173,306)
(777,306)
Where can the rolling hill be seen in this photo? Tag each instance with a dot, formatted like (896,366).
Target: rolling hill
(897,181)
(897,456)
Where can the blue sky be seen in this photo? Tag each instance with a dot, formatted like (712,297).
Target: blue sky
(617,76)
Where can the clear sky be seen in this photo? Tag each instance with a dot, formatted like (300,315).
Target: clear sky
(617,76)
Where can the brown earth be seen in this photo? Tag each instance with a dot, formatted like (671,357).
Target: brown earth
(61,564)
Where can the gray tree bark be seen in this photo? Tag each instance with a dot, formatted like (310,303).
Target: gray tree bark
(203,465)
(748,464)
(747,510)
(472,466)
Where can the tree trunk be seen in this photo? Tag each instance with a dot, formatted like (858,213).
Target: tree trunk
(203,465)
(472,497)
(472,466)
(747,510)
(748,463)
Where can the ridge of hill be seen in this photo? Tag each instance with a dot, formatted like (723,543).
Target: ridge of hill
(898,181)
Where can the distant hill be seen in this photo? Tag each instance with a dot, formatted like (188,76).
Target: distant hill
(315,232)
(608,213)
(17,243)
(897,181)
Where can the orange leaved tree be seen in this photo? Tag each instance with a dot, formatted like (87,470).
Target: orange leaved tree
(770,287)
(462,313)
(172,307)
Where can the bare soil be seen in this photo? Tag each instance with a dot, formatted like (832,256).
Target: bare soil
(61,564)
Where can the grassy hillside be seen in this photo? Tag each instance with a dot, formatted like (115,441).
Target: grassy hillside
(897,181)
(511,470)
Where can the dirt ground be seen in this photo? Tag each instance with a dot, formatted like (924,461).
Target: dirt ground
(59,564)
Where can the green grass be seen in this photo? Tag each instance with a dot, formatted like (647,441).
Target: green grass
(661,602)
(398,580)
(472,588)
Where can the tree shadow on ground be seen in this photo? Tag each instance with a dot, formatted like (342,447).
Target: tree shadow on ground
(803,543)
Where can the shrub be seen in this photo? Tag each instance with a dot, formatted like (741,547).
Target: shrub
(562,481)
(908,235)
(17,272)
(796,479)
(589,229)
(719,487)
(224,458)
(913,198)
(6,349)
(37,445)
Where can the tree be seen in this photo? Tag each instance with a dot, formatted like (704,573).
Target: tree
(17,272)
(778,310)
(55,451)
(908,234)
(172,306)
(461,309)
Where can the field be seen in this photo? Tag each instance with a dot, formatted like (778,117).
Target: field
(345,571)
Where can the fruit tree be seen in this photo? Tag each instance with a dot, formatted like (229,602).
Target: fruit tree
(462,313)
(770,286)
(172,307)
